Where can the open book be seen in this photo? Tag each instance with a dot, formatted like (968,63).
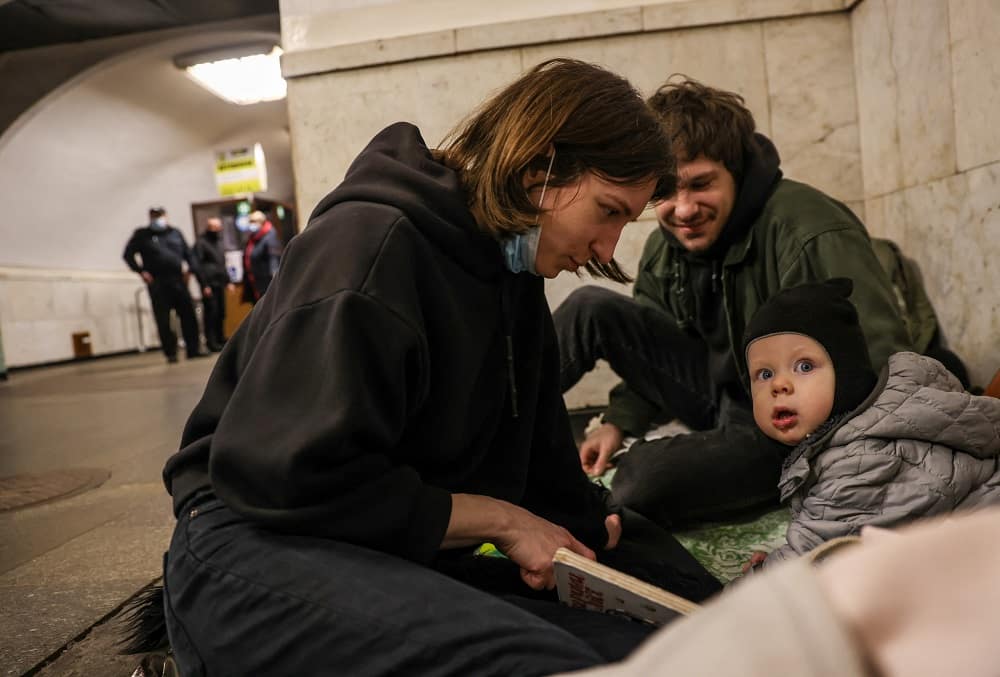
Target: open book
(585,584)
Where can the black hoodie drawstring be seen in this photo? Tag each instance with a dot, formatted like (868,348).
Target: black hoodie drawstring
(509,342)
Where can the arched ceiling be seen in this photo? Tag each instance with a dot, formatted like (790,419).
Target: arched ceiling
(81,166)
(26,24)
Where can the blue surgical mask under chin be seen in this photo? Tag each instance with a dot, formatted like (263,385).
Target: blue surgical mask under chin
(519,251)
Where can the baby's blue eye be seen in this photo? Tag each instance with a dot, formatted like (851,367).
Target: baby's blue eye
(805,366)
(764,374)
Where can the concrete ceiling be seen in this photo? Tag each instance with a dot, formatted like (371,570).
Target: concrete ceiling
(25,24)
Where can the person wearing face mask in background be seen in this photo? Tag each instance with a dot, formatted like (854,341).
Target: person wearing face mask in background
(261,257)
(163,253)
(214,279)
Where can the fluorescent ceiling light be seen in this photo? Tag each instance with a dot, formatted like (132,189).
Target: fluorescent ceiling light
(243,75)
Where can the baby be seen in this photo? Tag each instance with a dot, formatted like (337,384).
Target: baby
(866,449)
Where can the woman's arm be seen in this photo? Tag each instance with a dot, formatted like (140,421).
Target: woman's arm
(523,536)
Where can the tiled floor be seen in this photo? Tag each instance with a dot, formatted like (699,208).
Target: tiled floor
(65,564)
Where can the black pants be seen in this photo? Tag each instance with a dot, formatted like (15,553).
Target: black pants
(215,315)
(166,293)
(243,600)
(726,468)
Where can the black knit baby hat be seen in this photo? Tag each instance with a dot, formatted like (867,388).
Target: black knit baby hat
(822,311)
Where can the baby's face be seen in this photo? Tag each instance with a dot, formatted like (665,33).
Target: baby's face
(792,383)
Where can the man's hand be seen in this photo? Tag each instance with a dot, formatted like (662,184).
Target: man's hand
(146,277)
(206,291)
(596,450)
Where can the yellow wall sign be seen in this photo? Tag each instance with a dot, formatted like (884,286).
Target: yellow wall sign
(241,170)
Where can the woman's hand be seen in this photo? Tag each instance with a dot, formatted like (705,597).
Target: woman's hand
(532,541)
(596,450)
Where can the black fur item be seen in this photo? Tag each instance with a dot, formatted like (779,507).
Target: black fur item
(143,622)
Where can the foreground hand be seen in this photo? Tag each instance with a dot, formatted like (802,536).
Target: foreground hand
(532,541)
(921,601)
(596,450)
(756,558)
(146,277)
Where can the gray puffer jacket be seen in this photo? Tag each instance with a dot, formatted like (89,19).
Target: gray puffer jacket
(918,446)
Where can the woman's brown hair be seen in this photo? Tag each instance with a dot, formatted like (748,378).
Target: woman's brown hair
(594,119)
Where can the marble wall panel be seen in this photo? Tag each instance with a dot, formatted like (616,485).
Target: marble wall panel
(814,119)
(730,57)
(705,12)
(333,115)
(934,213)
(904,98)
(18,340)
(549,29)
(41,313)
(976,251)
(877,94)
(28,300)
(951,229)
(975,63)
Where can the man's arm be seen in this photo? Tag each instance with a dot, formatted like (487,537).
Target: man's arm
(131,249)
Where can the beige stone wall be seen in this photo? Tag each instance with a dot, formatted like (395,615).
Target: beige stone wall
(928,82)
(869,120)
(790,59)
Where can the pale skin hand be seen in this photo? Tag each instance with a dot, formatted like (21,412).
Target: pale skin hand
(923,603)
(524,537)
(147,277)
(756,558)
(596,450)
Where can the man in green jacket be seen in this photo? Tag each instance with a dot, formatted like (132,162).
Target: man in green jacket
(734,233)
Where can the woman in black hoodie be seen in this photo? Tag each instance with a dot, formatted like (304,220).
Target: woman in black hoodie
(394,401)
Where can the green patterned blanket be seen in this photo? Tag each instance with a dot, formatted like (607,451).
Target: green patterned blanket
(724,548)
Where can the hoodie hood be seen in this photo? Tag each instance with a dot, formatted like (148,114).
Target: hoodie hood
(761,174)
(398,170)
